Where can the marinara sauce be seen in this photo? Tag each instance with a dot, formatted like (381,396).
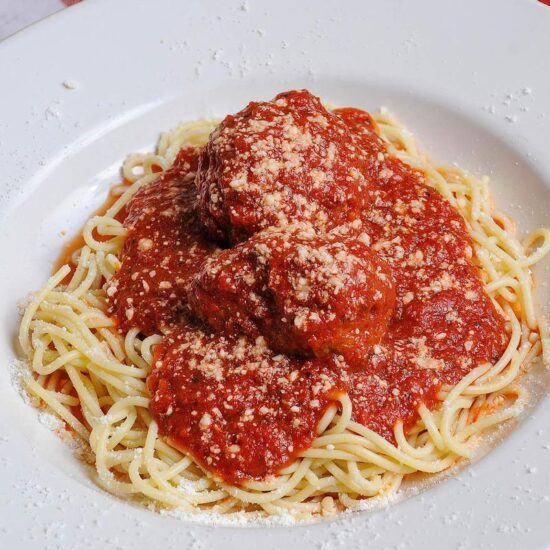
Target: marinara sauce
(221,389)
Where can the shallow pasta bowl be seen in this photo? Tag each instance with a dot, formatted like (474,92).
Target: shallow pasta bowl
(73,108)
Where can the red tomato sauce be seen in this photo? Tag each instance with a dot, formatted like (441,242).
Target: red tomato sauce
(278,162)
(162,252)
(219,390)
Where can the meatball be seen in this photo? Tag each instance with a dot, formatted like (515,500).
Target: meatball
(162,251)
(307,295)
(279,162)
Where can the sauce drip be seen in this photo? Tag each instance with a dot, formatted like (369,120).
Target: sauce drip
(245,411)
(71,248)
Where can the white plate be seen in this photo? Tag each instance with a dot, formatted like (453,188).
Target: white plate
(445,67)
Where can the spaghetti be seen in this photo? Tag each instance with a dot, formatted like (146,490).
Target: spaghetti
(94,377)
